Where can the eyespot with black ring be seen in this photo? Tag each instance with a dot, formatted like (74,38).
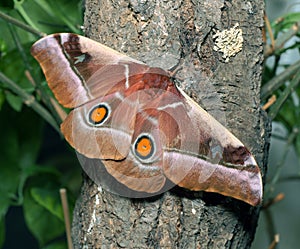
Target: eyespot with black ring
(99,114)
(144,147)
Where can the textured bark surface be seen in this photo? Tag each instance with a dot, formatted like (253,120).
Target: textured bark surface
(179,34)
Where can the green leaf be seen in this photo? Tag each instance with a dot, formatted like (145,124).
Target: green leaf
(285,95)
(56,245)
(9,179)
(21,140)
(51,9)
(295,45)
(9,148)
(34,171)
(19,147)
(43,224)
(14,60)
(286,21)
(14,101)
(18,5)
(9,152)
(2,231)
(2,98)
(50,16)
(5,203)
(29,136)
(286,114)
(22,181)
(38,169)
(49,199)
(3,48)
(7,4)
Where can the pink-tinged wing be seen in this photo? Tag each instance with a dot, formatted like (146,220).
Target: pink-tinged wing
(79,69)
(83,74)
(190,147)
(140,172)
(220,163)
(110,139)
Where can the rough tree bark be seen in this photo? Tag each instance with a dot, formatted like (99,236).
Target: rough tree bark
(180,34)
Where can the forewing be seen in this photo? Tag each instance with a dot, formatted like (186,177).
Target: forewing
(79,69)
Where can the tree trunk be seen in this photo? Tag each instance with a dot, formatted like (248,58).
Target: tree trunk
(179,34)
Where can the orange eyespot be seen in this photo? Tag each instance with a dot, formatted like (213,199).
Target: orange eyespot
(98,114)
(144,147)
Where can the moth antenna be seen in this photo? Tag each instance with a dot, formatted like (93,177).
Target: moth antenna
(64,202)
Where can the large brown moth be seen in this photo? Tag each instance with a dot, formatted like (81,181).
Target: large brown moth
(145,130)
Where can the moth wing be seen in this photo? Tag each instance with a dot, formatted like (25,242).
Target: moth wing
(79,69)
(194,150)
(138,176)
(191,149)
(110,139)
(142,169)
(219,163)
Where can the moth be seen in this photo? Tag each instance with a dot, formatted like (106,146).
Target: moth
(145,129)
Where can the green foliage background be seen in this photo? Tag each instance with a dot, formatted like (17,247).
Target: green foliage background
(33,169)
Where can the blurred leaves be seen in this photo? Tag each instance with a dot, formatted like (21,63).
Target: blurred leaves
(43,224)
(14,101)
(285,22)
(282,79)
(49,200)
(25,105)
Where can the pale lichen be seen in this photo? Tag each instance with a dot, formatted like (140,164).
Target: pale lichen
(229,41)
